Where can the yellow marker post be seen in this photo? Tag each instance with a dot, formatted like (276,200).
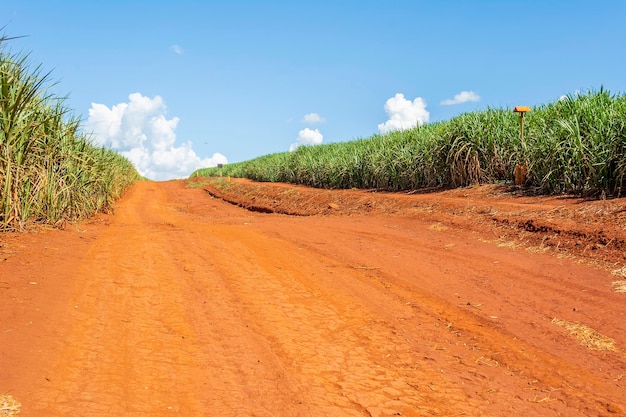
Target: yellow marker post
(521,170)
(521,110)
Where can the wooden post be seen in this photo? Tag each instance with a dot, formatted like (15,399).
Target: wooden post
(521,170)
(521,110)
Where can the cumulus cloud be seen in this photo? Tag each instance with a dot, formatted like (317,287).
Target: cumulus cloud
(307,137)
(140,130)
(177,49)
(404,114)
(462,97)
(565,97)
(313,118)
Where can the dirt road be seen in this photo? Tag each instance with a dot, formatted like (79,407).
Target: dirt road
(183,304)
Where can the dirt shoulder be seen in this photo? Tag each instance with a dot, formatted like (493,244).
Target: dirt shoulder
(591,230)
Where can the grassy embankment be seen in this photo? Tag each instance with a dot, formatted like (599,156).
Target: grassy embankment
(574,145)
(49,171)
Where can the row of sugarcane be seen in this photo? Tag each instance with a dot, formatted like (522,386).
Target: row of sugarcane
(50,172)
(576,145)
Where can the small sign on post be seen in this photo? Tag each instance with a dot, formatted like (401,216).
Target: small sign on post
(220,166)
(521,170)
(521,110)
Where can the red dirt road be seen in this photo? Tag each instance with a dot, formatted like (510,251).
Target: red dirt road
(378,305)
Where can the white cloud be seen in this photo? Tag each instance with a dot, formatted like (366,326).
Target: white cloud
(177,49)
(313,118)
(462,97)
(404,114)
(307,137)
(569,96)
(140,131)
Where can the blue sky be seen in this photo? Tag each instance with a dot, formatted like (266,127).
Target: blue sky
(179,84)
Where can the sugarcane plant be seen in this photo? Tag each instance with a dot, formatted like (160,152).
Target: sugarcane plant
(576,144)
(49,171)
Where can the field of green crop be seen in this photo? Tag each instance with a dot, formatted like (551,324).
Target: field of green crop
(49,171)
(574,145)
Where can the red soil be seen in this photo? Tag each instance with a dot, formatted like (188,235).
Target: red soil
(353,303)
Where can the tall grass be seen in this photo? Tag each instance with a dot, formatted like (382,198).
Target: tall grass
(579,144)
(49,171)
(574,145)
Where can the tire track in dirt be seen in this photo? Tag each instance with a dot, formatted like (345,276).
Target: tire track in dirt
(512,332)
(130,348)
(327,341)
(529,379)
(339,358)
(141,344)
(468,322)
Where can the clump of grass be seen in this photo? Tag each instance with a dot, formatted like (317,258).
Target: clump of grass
(9,406)
(579,144)
(574,145)
(49,171)
(587,337)
(621,272)
(196,184)
(438,227)
(619,286)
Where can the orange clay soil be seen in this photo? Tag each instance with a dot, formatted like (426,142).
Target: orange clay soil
(317,303)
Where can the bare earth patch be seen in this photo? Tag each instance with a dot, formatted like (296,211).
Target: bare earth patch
(235,298)
(592,231)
